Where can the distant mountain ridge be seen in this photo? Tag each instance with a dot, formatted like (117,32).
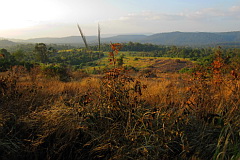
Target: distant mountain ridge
(124,38)
(6,43)
(170,38)
(63,40)
(193,38)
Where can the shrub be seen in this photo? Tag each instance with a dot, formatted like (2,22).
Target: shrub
(62,72)
(136,59)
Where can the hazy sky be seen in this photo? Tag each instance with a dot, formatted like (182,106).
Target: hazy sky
(57,18)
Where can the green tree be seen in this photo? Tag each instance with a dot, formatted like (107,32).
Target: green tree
(6,54)
(19,55)
(41,52)
(7,60)
(120,60)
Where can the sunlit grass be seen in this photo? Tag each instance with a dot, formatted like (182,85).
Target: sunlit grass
(119,116)
(137,62)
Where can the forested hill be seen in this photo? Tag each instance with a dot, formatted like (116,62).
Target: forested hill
(6,43)
(124,38)
(194,39)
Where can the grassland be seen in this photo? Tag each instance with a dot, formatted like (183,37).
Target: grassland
(121,114)
(158,64)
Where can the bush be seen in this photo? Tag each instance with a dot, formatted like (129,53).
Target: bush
(62,72)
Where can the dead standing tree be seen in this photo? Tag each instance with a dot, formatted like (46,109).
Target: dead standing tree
(85,41)
(99,40)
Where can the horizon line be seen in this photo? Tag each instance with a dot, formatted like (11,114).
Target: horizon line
(120,34)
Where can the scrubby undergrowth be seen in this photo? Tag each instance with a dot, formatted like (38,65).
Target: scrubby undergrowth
(116,116)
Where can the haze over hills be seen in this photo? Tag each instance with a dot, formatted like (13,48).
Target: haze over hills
(63,40)
(125,38)
(6,43)
(170,38)
(193,38)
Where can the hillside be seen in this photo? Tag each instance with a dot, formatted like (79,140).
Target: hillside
(6,43)
(192,38)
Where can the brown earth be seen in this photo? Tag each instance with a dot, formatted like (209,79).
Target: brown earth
(165,66)
(171,65)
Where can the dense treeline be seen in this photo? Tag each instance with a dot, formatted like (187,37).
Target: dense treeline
(64,54)
(77,57)
(29,54)
(29,47)
(202,55)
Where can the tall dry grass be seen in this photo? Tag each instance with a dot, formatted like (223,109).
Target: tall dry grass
(119,116)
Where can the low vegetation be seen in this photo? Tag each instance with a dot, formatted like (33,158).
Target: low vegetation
(49,111)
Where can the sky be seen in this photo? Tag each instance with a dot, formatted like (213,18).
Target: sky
(24,19)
